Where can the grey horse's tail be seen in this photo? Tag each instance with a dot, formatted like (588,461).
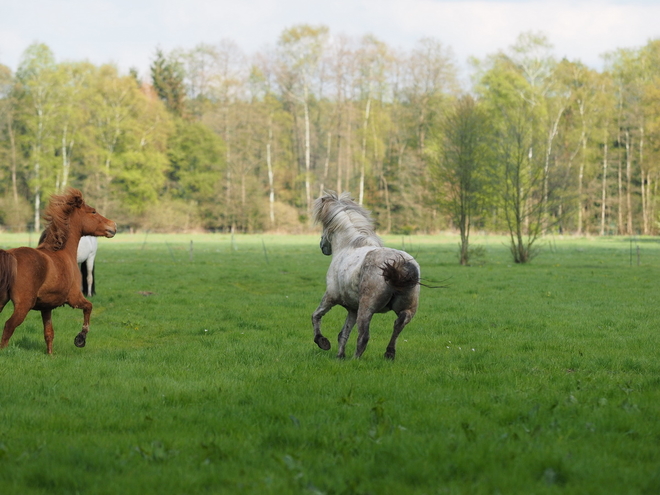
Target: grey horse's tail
(400,274)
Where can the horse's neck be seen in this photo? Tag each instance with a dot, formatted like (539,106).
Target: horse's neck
(344,240)
(73,238)
(71,244)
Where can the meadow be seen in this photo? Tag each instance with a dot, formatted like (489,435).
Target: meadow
(200,375)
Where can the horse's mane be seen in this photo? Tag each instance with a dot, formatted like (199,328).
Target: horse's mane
(341,213)
(57,216)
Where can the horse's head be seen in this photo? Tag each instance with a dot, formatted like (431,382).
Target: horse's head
(93,223)
(326,246)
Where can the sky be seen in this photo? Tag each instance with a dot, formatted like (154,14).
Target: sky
(127,32)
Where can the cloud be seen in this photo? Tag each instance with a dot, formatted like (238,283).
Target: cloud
(127,32)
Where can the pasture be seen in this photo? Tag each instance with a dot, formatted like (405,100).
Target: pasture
(200,375)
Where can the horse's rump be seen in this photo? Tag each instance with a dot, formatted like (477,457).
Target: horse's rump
(400,273)
(7,271)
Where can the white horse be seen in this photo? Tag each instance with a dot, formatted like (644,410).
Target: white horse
(364,277)
(86,254)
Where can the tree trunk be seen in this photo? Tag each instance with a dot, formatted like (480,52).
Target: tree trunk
(271,184)
(326,166)
(604,188)
(645,218)
(364,148)
(66,159)
(308,157)
(546,169)
(620,200)
(629,223)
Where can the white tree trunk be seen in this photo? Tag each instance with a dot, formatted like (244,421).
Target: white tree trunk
(308,158)
(364,148)
(603,198)
(271,181)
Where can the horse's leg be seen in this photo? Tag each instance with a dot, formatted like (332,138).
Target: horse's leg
(91,281)
(81,303)
(90,276)
(363,321)
(326,305)
(403,318)
(49,334)
(17,317)
(4,299)
(345,333)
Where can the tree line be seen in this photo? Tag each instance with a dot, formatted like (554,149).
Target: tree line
(214,139)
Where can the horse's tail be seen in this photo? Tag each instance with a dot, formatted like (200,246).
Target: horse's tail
(7,272)
(401,273)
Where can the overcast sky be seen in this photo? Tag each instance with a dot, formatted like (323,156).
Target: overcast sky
(127,32)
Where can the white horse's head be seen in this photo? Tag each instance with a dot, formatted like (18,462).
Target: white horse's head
(345,223)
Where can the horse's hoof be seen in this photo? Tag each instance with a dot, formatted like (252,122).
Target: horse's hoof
(80,340)
(322,342)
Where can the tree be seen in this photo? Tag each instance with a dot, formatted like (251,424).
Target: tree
(300,50)
(196,162)
(462,160)
(167,78)
(527,101)
(39,94)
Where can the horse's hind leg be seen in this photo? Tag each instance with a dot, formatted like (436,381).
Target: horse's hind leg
(325,306)
(4,299)
(345,333)
(363,322)
(49,333)
(17,317)
(402,320)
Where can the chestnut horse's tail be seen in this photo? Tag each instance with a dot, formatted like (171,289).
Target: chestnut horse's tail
(7,272)
(400,274)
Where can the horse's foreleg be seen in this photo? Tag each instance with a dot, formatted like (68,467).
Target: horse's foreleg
(345,333)
(86,307)
(402,320)
(49,333)
(363,322)
(325,306)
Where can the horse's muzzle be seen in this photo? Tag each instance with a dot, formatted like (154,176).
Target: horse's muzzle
(111,230)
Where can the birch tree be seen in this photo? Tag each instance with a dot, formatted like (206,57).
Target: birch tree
(40,99)
(300,49)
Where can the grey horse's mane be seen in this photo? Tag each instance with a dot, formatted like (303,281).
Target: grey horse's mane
(342,214)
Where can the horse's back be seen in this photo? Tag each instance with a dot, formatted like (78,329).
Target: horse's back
(32,268)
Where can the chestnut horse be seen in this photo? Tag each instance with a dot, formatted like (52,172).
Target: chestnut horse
(87,248)
(47,277)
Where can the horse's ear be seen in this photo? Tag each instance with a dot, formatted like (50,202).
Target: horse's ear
(75,199)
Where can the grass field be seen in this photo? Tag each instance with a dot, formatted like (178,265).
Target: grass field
(200,375)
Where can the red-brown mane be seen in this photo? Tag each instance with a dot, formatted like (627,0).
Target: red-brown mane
(57,215)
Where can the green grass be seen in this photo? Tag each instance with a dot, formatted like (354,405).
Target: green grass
(542,378)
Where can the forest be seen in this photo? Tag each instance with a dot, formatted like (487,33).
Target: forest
(213,139)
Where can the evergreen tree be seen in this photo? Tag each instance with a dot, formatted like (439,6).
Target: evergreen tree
(167,78)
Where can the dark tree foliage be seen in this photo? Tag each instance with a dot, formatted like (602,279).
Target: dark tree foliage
(167,77)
